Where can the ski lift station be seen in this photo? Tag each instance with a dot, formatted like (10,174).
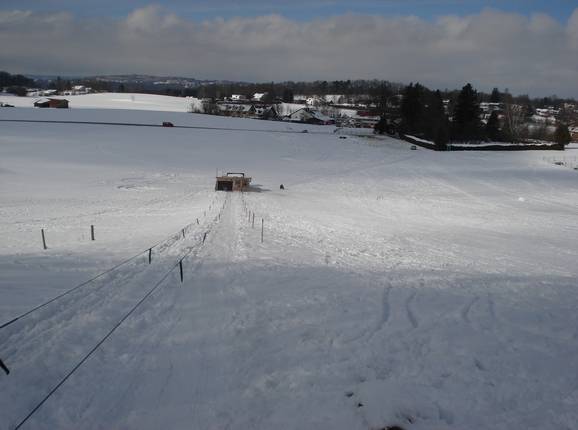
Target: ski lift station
(232,182)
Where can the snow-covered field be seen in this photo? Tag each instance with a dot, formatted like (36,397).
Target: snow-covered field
(393,287)
(128,101)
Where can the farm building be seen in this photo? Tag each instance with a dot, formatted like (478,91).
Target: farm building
(237,109)
(232,182)
(257,97)
(266,112)
(574,133)
(248,110)
(51,103)
(309,116)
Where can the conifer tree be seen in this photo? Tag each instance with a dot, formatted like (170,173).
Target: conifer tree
(493,128)
(436,121)
(562,135)
(412,108)
(495,97)
(466,120)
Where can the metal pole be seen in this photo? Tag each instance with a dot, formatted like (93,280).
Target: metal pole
(181,269)
(150,255)
(43,239)
(92,232)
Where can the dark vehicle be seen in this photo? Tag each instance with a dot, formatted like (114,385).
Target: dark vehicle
(167,124)
(413,148)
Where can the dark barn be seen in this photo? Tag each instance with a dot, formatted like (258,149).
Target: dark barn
(232,182)
(52,103)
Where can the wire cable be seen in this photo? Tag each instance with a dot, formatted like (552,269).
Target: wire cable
(79,286)
(108,334)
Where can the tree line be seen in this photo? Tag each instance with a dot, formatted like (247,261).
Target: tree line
(456,116)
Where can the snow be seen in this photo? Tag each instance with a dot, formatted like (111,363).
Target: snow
(418,139)
(131,101)
(393,287)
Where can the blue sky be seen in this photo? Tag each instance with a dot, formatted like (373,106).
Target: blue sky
(297,9)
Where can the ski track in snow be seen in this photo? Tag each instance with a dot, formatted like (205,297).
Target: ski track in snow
(411,316)
(466,310)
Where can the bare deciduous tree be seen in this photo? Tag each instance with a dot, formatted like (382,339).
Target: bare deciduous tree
(513,121)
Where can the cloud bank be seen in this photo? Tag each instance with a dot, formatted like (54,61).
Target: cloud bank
(536,55)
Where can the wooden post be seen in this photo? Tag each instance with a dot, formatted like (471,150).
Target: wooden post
(262,228)
(253,226)
(183,233)
(181,269)
(4,368)
(43,239)
(204,237)
(92,232)
(150,255)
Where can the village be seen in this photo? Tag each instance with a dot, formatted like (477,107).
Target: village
(518,119)
(316,110)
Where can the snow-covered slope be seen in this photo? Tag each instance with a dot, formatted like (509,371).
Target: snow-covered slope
(130,101)
(392,287)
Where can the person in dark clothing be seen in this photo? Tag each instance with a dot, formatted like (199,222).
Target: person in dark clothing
(281,187)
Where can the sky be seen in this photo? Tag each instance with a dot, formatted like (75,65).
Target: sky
(528,47)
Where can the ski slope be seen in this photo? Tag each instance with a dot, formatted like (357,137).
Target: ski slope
(392,287)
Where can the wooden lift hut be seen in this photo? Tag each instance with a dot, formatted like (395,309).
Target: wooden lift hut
(232,182)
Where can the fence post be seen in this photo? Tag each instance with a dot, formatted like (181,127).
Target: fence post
(204,237)
(4,368)
(150,255)
(183,233)
(262,228)
(92,232)
(181,269)
(253,226)
(43,239)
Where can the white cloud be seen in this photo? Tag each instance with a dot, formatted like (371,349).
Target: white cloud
(536,54)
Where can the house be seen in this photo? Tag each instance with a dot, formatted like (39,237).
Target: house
(488,108)
(237,109)
(248,110)
(51,103)
(574,133)
(232,182)
(309,116)
(314,101)
(266,112)
(257,97)
(238,97)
